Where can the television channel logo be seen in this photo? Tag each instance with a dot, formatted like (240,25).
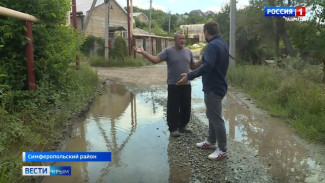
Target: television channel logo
(46,170)
(299,11)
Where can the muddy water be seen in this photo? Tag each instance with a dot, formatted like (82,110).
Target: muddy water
(133,127)
(286,159)
(130,126)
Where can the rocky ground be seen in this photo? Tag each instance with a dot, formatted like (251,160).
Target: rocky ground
(191,164)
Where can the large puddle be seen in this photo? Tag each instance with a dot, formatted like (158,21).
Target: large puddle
(133,127)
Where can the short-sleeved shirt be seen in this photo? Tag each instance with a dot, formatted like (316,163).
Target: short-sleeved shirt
(178,62)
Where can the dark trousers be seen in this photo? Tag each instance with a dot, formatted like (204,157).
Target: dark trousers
(178,106)
(217,129)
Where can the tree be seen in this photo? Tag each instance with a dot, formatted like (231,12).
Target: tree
(279,22)
(255,35)
(140,24)
(52,54)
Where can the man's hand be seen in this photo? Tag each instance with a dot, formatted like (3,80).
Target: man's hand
(183,80)
(138,49)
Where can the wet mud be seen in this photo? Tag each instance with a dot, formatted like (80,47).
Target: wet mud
(129,120)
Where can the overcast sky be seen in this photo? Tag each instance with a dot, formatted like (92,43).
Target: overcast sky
(175,6)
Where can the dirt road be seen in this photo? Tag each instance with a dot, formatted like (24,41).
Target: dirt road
(261,148)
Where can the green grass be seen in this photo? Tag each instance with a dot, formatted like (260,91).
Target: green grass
(297,95)
(34,119)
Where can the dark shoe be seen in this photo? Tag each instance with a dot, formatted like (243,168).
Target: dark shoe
(175,133)
(185,130)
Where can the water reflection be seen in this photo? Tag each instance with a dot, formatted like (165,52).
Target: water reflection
(285,158)
(129,127)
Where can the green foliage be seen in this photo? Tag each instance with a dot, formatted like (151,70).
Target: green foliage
(309,38)
(157,29)
(54,57)
(223,19)
(55,45)
(88,46)
(317,9)
(261,37)
(119,50)
(293,93)
(140,24)
(194,18)
(255,36)
(31,119)
(258,37)
(173,23)
(160,21)
(2,86)
(3,168)
(34,119)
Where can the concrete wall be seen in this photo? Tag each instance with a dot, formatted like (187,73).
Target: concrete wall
(142,18)
(80,20)
(96,24)
(148,47)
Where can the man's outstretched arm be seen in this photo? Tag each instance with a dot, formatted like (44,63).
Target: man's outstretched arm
(151,58)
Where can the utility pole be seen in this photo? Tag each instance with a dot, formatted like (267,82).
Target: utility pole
(107,2)
(74,14)
(169,22)
(90,14)
(232,41)
(131,17)
(74,21)
(150,18)
(129,25)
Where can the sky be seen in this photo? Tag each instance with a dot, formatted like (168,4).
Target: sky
(174,6)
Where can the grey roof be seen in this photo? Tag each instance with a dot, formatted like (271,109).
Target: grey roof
(197,11)
(118,5)
(194,28)
(139,13)
(140,31)
(207,13)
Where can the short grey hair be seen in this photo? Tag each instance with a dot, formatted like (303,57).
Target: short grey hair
(177,33)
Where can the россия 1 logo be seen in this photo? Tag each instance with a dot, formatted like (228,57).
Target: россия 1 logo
(299,11)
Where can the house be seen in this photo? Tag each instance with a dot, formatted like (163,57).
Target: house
(139,31)
(117,21)
(141,16)
(199,12)
(194,32)
(80,20)
(207,13)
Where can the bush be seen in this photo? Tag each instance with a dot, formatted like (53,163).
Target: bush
(52,54)
(119,50)
(88,46)
(35,119)
(31,119)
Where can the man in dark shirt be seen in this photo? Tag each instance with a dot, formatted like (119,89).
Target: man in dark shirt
(213,70)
